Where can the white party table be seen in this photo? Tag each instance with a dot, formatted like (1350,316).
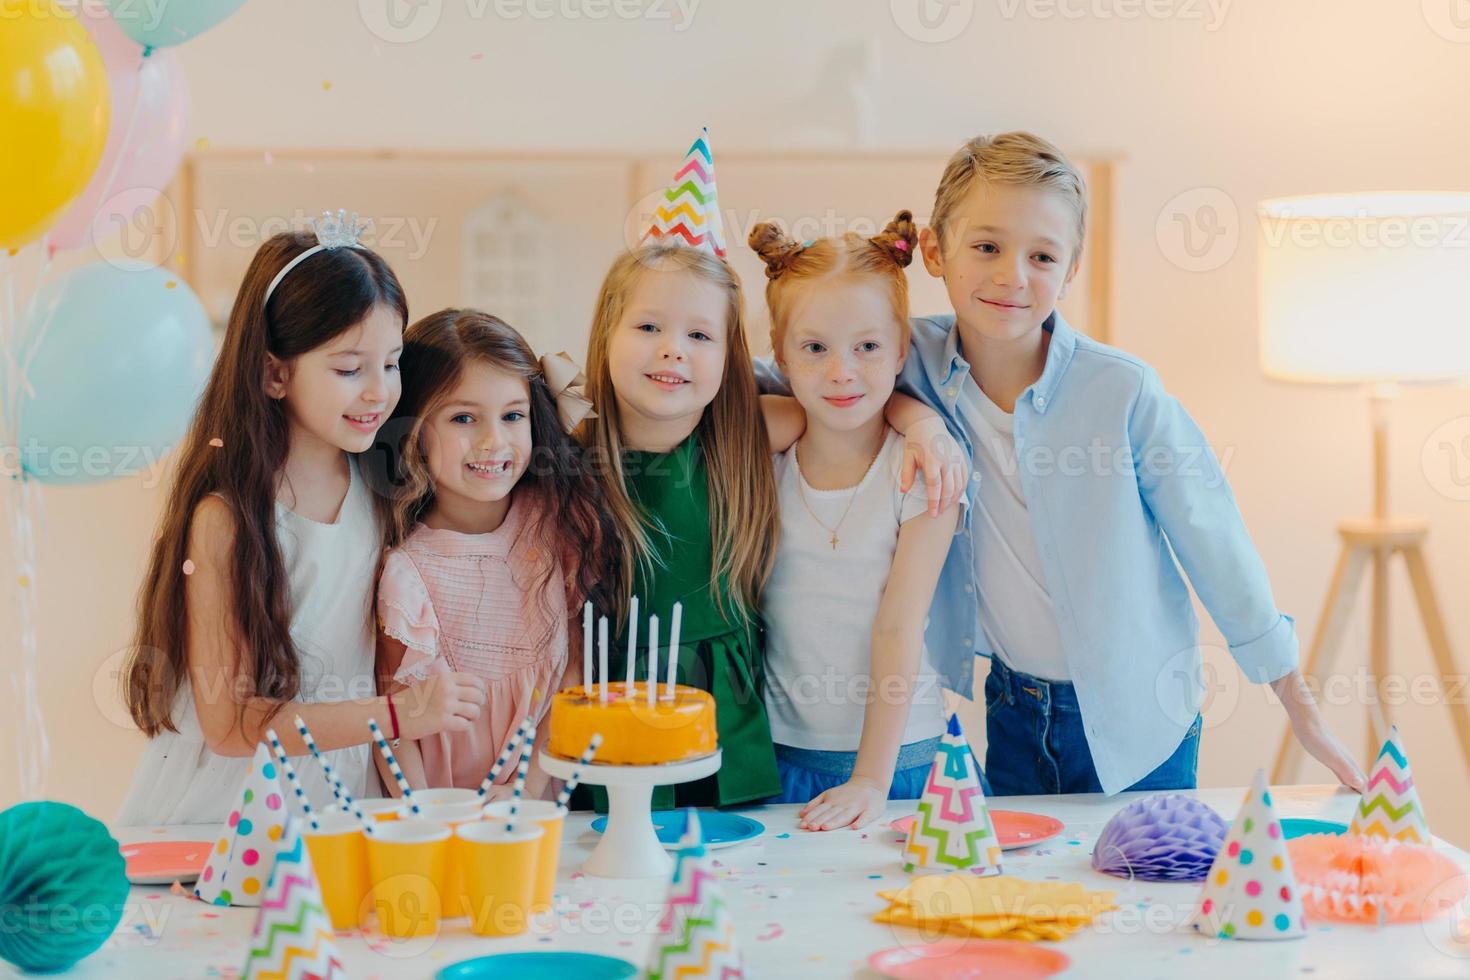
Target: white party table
(803,904)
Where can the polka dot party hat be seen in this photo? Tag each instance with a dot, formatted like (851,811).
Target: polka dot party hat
(243,855)
(1250,892)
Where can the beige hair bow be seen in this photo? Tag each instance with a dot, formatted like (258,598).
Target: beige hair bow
(568,387)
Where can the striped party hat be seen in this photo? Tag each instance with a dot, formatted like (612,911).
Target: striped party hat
(696,937)
(953,831)
(1390,807)
(293,938)
(689,210)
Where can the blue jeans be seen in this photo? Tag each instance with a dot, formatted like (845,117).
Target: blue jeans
(807,773)
(1035,742)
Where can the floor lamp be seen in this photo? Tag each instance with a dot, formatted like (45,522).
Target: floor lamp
(1370,290)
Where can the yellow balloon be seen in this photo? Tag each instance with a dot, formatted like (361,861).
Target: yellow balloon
(54,107)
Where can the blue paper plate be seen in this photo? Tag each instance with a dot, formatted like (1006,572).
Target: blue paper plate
(1294,827)
(540,966)
(720,829)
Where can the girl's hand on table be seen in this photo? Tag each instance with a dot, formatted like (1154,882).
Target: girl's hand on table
(856,803)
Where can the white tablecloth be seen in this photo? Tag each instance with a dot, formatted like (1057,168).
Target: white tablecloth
(804,903)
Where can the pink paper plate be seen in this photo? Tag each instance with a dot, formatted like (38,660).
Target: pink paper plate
(1015,828)
(952,959)
(166,861)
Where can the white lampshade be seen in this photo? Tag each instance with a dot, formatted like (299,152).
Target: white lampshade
(1365,287)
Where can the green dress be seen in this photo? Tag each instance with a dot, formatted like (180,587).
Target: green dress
(718,652)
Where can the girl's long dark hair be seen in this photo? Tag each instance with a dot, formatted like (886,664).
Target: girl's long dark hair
(328,294)
(568,514)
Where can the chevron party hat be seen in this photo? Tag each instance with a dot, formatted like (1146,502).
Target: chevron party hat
(1250,892)
(1390,807)
(293,937)
(689,209)
(953,830)
(241,858)
(696,936)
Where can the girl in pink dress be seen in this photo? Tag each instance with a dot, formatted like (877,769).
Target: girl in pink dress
(497,536)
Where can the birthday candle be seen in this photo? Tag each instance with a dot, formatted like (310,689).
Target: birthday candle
(290,772)
(674,647)
(587,646)
(602,659)
(632,645)
(652,658)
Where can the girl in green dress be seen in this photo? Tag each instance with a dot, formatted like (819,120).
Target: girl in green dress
(684,442)
(686,462)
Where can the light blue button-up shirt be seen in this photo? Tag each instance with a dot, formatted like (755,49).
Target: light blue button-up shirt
(1122,490)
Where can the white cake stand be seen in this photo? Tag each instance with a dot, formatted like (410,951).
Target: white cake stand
(629,847)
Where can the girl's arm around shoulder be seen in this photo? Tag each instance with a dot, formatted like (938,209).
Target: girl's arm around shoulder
(929,448)
(785,420)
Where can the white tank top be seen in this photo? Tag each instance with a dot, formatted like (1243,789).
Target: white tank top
(331,569)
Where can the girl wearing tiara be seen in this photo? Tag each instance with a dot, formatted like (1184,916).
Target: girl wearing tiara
(257,604)
(856,712)
(497,536)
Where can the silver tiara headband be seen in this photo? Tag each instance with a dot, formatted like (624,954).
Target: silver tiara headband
(333,231)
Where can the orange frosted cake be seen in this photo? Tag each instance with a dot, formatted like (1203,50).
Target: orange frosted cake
(633,732)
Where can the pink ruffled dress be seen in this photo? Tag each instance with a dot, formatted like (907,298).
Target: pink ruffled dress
(470,603)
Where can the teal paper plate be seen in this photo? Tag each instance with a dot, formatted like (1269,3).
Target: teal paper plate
(539,966)
(719,829)
(1294,827)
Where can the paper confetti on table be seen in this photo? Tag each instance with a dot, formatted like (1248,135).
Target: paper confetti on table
(1005,907)
(690,208)
(1250,892)
(293,938)
(241,860)
(953,829)
(1390,808)
(1351,878)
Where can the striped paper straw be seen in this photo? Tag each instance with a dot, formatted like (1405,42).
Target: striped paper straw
(515,800)
(338,787)
(393,767)
(505,754)
(290,772)
(565,796)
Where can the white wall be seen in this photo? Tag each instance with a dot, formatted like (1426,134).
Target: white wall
(1273,99)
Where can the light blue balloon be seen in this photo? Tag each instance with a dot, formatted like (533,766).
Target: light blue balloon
(163,23)
(116,374)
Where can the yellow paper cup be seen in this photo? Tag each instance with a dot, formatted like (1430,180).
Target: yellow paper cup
(452,815)
(339,857)
(380,809)
(447,794)
(407,860)
(549,817)
(499,874)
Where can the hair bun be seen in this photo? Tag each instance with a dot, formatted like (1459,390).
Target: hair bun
(899,238)
(774,248)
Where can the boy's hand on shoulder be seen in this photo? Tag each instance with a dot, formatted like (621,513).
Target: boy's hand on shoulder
(856,803)
(929,448)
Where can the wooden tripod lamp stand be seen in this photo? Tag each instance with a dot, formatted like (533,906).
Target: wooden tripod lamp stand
(1370,290)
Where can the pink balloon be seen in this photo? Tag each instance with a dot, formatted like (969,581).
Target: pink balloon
(150,111)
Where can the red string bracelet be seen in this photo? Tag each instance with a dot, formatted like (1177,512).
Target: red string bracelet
(393,717)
